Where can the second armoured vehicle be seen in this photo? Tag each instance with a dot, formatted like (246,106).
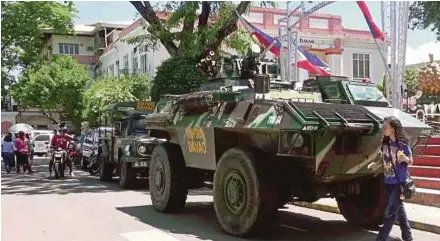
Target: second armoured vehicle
(126,150)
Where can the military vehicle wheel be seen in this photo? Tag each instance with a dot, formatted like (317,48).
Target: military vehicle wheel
(245,198)
(368,208)
(127,175)
(105,169)
(167,182)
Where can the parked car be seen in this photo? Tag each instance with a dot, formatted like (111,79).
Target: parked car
(89,144)
(42,144)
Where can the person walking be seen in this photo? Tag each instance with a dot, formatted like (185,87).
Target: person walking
(397,156)
(8,149)
(22,147)
(30,159)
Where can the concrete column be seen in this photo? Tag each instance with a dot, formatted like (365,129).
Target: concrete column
(335,62)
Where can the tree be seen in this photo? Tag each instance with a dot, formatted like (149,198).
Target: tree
(216,21)
(54,87)
(425,14)
(176,75)
(22,24)
(110,90)
(412,81)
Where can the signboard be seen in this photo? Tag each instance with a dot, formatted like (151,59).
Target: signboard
(145,105)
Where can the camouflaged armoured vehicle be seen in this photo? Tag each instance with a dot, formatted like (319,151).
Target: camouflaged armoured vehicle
(262,145)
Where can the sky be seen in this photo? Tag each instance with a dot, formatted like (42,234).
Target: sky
(420,42)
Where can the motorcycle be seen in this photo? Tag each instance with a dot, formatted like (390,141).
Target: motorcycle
(59,165)
(73,154)
(94,165)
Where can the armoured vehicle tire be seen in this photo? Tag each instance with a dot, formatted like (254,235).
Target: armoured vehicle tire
(240,170)
(167,180)
(105,169)
(368,208)
(127,175)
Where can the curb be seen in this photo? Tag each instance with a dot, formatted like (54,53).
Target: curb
(331,209)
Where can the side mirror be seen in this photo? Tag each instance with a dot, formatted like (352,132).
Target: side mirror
(118,127)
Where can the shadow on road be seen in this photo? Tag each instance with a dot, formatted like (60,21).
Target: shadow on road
(39,183)
(199,220)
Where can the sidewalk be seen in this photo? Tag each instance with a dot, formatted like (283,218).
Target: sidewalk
(421,217)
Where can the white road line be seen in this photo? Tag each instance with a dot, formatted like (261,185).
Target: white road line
(293,228)
(150,235)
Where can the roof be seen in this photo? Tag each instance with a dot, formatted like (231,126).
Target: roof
(89,29)
(419,65)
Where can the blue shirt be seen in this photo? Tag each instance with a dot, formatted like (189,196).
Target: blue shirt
(8,147)
(401,168)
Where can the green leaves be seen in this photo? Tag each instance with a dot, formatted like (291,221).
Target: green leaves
(22,24)
(176,75)
(55,86)
(424,15)
(412,81)
(112,90)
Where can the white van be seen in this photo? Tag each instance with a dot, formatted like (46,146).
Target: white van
(42,143)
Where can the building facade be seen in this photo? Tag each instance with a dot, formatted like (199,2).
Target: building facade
(348,52)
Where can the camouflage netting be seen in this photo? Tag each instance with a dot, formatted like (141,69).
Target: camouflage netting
(429,78)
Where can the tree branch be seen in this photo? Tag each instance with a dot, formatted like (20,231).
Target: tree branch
(49,116)
(188,22)
(204,15)
(230,26)
(147,12)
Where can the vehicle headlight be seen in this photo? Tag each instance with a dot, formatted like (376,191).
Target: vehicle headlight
(96,152)
(127,150)
(295,140)
(142,149)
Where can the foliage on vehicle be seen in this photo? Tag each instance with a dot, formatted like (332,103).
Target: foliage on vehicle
(112,90)
(176,75)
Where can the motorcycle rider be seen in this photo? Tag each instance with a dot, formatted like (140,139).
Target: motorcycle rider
(60,141)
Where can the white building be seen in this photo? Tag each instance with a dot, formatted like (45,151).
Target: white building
(351,53)
(121,57)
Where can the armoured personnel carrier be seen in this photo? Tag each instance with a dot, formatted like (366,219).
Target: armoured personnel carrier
(263,144)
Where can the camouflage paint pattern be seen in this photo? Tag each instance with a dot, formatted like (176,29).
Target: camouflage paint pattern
(202,122)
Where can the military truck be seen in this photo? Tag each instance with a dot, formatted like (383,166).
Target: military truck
(127,151)
(263,144)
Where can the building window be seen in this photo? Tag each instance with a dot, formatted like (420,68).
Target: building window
(134,62)
(68,48)
(319,23)
(254,17)
(361,66)
(112,70)
(125,60)
(144,63)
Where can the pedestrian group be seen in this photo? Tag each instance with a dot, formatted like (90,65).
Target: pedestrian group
(17,151)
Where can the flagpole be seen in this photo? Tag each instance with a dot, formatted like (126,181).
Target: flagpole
(387,69)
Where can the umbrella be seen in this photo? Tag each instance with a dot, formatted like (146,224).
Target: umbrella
(20,127)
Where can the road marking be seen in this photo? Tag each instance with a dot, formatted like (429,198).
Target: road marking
(293,228)
(150,235)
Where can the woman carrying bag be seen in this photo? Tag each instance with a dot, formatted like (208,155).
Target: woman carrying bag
(397,156)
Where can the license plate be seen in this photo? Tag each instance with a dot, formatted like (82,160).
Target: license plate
(140,164)
(57,155)
(86,153)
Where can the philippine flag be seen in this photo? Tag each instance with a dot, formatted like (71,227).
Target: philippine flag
(306,60)
(374,29)
(265,39)
(310,62)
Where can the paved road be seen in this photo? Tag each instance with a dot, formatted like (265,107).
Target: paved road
(82,208)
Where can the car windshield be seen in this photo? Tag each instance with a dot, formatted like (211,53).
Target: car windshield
(366,92)
(138,125)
